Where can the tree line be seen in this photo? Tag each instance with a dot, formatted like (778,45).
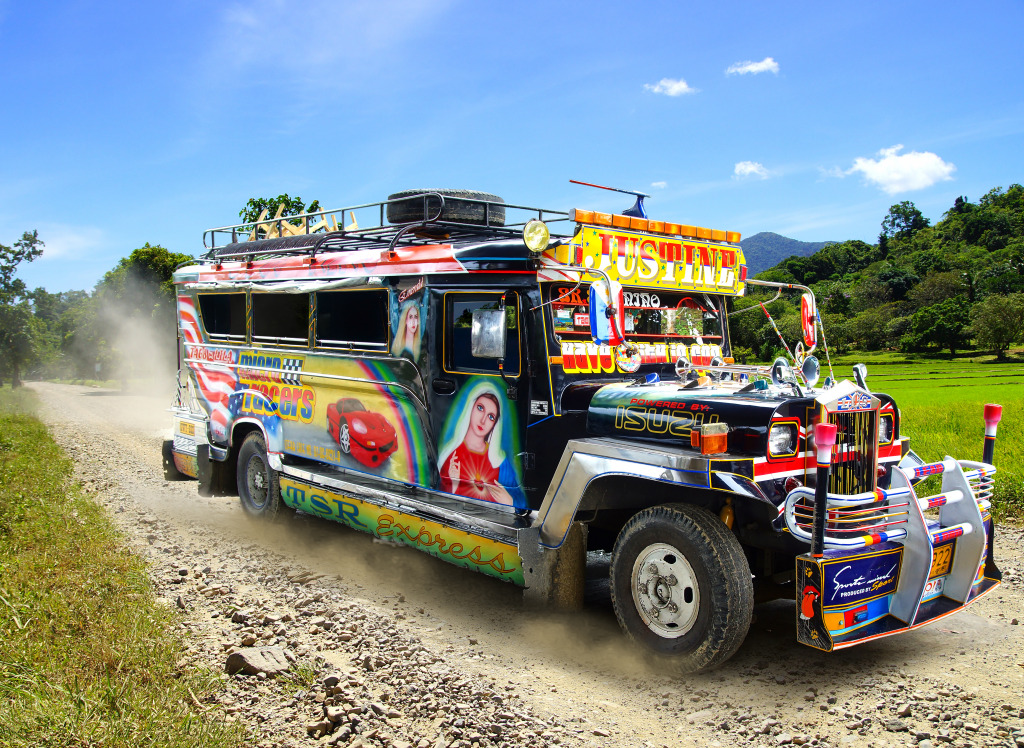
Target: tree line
(954,286)
(920,287)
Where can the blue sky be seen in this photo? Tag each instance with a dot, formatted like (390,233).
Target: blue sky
(126,123)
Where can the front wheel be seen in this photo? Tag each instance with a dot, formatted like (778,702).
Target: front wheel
(681,586)
(258,486)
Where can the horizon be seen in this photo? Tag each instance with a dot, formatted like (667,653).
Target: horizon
(154,123)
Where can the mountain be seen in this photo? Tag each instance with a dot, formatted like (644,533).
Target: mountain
(767,250)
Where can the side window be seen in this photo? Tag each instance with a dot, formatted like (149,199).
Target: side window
(223,316)
(458,336)
(280,318)
(352,319)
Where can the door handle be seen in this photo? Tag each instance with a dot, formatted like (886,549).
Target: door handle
(443,386)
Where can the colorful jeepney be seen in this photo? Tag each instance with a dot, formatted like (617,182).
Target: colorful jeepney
(446,372)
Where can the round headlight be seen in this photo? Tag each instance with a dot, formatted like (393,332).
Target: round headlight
(536,235)
(782,439)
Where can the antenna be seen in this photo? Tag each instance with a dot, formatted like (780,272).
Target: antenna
(637,210)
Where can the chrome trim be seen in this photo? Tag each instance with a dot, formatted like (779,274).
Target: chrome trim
(434,509)
(586,459)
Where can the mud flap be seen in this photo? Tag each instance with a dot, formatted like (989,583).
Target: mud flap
(555,577)
(215,478)
(810,621)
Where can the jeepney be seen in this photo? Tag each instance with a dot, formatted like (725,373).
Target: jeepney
(509,388)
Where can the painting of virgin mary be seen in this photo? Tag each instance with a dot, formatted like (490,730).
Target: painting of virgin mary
(473,461)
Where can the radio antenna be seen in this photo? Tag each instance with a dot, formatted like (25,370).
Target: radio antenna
(637,210)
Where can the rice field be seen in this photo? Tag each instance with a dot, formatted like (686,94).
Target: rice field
(941,403)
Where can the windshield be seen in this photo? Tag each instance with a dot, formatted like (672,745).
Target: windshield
(660,326)
(651,317)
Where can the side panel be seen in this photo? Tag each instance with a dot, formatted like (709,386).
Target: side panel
(459,547)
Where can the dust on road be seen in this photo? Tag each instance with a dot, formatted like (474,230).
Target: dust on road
(456,661)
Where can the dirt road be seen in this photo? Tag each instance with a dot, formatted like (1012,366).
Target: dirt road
(418,653)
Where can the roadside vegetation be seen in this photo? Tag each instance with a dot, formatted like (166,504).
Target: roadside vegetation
(87,655)
(942,402)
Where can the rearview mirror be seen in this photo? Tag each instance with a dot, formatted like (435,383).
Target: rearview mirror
(607,314)
(808,319)
(488,335)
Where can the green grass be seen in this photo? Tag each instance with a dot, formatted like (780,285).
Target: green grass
(942,401)
(87,657)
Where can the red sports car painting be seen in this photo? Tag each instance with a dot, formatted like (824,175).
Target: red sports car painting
(365,435)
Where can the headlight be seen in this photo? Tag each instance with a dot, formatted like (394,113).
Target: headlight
(885,424)
(359,427)
(536,236)
(782,440)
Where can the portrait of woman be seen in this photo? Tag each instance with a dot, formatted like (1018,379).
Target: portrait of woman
(473,462)
(408,333)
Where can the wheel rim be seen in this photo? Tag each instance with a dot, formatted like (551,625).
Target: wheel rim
(343,438)
(257,482)
(665,590)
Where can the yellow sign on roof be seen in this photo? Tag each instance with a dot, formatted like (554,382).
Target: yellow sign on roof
(648,260)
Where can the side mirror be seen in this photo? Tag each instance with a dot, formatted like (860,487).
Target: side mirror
(607,313)
(488,335)
(808,319)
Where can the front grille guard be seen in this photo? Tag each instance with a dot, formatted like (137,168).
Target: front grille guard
(871,517)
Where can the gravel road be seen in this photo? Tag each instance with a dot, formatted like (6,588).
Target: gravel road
(404,650)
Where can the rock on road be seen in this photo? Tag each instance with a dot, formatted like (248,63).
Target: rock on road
(387,647)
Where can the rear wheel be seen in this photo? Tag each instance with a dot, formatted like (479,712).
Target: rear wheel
(258,486)
(681,586)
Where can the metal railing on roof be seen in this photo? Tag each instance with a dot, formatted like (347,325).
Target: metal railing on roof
(368,227)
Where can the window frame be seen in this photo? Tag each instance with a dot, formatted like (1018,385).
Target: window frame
(361,346)
(448,304)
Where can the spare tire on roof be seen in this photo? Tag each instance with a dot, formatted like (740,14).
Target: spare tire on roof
(462,206)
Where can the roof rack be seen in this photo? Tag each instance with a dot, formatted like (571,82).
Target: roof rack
(325,230)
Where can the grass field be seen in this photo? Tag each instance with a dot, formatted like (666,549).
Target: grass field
(942,401)
(87,657)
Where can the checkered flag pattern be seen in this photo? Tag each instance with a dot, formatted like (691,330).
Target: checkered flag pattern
(292,369)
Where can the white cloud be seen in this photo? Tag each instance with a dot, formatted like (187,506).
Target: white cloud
(63,242)
(670,87)
(659,185)
(894,172)
(767,65)
(314,41)
(750,169)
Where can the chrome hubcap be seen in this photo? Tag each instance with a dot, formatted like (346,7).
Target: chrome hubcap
(665,590)
(256,481)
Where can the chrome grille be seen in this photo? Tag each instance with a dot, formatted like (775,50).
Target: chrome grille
(855,456)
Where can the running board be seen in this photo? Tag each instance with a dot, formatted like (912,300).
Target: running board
(496,522)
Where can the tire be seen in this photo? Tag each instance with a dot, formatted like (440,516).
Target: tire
(258,486)
(461,206)
(344,438)
(171,471)
(681,586)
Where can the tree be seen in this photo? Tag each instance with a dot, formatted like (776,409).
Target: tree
(943,324)
(293,206)
(997,322)
(16,329)
(903,221)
